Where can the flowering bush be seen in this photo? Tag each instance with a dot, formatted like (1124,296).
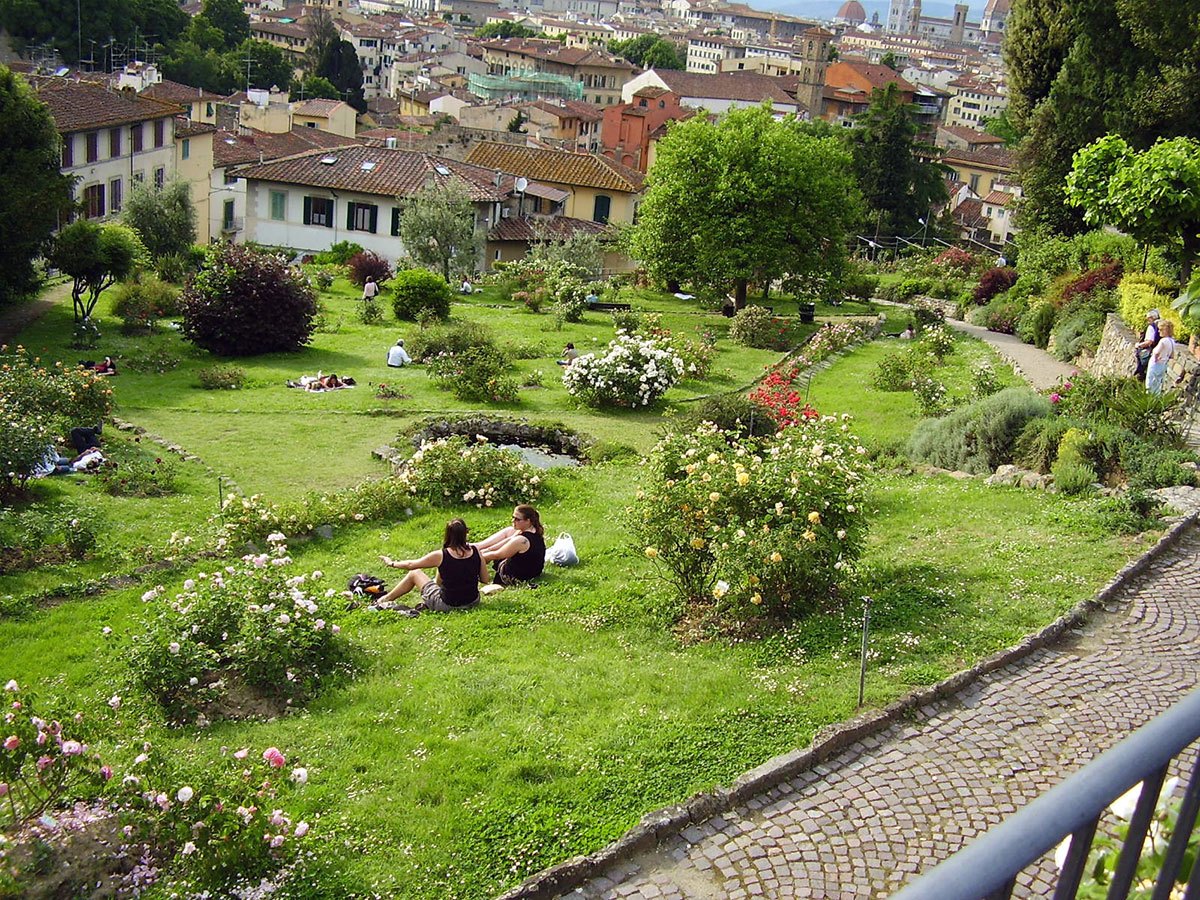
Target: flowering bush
(897,371)
(632,372)
(221,378)
(43,535)
(132,473)
(476,373)
(993,282)
(766,524)
(938,341)
(755,326)
(368,264)
(251,623)
(44,756)
(141,302)
(931,394)
(697,355)
(454,470)
(984,381)
(777,392)
(955,258)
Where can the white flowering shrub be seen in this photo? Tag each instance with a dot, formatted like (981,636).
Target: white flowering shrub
(757,525)
(632,372)
(938,340)
(454,470)
(252,624)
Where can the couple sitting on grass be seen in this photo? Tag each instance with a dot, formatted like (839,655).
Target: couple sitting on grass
(519,552)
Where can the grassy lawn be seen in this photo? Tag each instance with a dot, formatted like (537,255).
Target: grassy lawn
(473,750)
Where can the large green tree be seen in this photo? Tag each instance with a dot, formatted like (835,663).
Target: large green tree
(749,198)
(1083,69)
(504,30)
(96,257)
(33,193)
(1153,195)
(895,174)
(437,228)
(650,52)
(188,63)
(164,218)
(229,18)
(269,66)
(339,64)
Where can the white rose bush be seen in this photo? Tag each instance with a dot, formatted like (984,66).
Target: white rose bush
(757,527)
(632,372)
(454,470)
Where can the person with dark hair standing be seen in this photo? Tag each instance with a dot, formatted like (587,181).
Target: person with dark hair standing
(460,572)
(519,550)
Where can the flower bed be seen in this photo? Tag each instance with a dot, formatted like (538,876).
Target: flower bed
(456,470)
(777,393)
(632,372)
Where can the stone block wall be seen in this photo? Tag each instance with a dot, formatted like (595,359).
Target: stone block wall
(1115,357)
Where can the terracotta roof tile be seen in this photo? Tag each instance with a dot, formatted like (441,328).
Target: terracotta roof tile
(556,52)
(186,128)
(174,92)
(994,157)
(317,107)
(557,166)
(82,105)
(748,87)
(998,198)
(394,173)
(237,149)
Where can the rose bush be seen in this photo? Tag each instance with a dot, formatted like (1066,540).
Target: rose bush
(251,623)
(454,470)
(632,372)
(755,525)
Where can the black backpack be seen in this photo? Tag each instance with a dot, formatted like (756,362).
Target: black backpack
(363,585)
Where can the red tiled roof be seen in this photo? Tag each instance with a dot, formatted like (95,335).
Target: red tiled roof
(556,52)
(237,149)
(998,198)
(748,87)
(186,128)
(878,76)
(174,92)
(991,157)
(527,229)
(971,135)
(82,105)
(570,109)
(395,173)
(557,166)
(317,107)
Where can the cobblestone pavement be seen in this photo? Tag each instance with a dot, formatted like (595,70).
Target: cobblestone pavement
(895,803)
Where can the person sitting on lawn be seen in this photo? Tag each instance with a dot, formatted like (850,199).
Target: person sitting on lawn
(466,286)
(398,356)
(519,550)
(570,354)
(107,367)
(460,572)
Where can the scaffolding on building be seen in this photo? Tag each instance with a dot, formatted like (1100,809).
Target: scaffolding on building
(519,86)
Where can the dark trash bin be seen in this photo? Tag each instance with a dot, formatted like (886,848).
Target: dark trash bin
(808,312)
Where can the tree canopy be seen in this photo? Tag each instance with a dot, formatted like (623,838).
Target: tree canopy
(339,65)
(437,228)
(32,192)
(1084,69)
(649,51)
(1153,194)
(750,198)
(897,179)
(494,30)
(164,218)
(96,257)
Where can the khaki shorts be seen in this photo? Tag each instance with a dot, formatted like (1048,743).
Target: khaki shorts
(434,599)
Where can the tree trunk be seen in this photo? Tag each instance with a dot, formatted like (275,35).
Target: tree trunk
(739,293)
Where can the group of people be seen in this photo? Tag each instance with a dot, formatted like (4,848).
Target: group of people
(518,551)
(322,382)
(1155,350)
(86,441)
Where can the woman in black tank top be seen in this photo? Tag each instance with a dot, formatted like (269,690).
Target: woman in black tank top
(520,550)
(460,568)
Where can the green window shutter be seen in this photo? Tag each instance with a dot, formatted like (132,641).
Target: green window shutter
(374,219)
(395,221)
(350,216)
(308,210)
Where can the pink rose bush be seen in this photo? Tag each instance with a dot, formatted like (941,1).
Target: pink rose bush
(763,525)
(253,621)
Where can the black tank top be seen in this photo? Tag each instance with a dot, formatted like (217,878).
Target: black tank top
(528,563)
(460,578)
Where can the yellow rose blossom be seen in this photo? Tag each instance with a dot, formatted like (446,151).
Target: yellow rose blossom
(775,557)
(690,468)
(814,517)
(651,552)
(698,543)
(713,457)
(756,599)
(810,535)
(714,496)
(743,478)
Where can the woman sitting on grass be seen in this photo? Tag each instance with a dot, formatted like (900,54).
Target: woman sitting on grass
(460,571)
(520,549)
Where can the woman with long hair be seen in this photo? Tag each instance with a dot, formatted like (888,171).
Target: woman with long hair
(460,572)
(519,550)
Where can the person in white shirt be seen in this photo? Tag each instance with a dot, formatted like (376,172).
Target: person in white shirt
(370,289)
(1156,372)
(398,356)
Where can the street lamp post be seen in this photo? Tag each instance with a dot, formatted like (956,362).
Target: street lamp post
(925,233)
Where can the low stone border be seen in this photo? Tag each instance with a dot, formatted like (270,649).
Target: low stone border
(669,821)
(559,438)
(227,482)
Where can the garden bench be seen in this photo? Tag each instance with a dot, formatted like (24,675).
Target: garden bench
(610,307)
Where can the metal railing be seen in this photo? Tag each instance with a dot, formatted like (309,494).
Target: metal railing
(989,866)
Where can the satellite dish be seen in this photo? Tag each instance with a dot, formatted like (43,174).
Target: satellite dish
(521,184)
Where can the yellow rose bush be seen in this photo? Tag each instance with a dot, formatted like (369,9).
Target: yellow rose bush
(758,525)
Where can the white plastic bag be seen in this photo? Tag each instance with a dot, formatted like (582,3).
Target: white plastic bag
(562,552)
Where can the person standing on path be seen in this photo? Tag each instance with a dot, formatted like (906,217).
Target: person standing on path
(1160,356)
(370,289)
(1147,344)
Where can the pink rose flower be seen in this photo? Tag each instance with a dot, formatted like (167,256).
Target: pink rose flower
(301,829)
(106,772)
(1055,398)
(12,742)
(43,762)
(241,754)
(72,748)
(3,788)
(272,756)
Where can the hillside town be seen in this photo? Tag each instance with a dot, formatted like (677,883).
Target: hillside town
(439,88)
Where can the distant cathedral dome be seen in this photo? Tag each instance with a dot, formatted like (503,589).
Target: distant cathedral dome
(852,13)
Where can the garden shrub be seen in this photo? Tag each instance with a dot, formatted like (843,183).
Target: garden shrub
(1002,315)
(454,470)
(369,311)
(259,625)
(932,397)
(221,378)
(524,349)
(1105,277)
(938,341)
(132,472)
(984,381)
(980,436)
(1027,286)
(416,291)
(1073,478)
(323,277)
(926,314)
(994,281)
(1138,293)
(449,338)
(1045,256)
(1149,466)
(40,535)
(898,370)
(476,373)
(1076,332)
(1122,402)
(860,285)
(339,254)
(1035,324)
(697,356)
(766,525)
(756,326)
(957,259)
(368,264)
(141,302)
(569,306)
(777,393)
(734,414)
(631,372)
(245,303)
(1128,513)
(1036,446)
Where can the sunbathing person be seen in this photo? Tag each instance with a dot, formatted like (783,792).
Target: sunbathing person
(518,550)
(460,572)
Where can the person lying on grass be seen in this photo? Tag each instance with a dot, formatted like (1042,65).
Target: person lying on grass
(519,550)
(321,382)
(460,572)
